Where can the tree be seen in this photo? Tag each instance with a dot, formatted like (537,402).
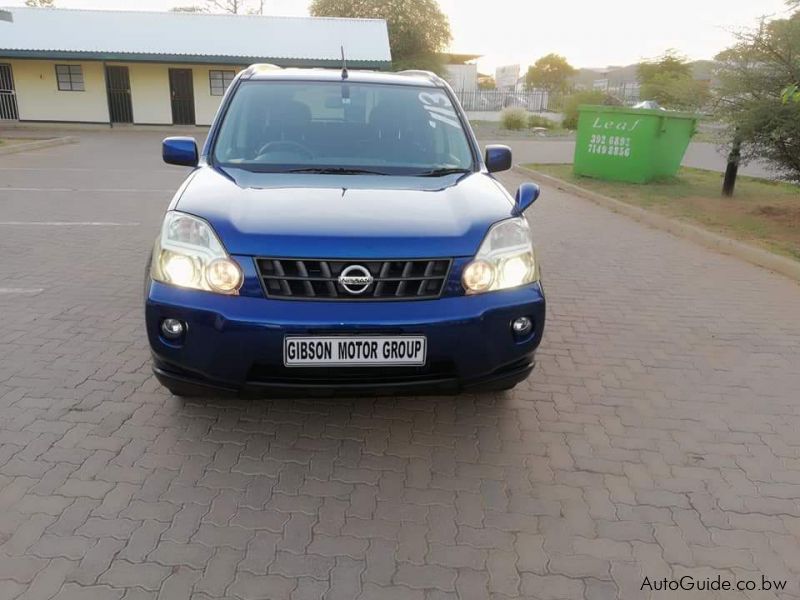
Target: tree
(550,72)
(753,75)
(418,29)
(668,80)
(670,64)
(676,92)
(40,3)
(234,7)
(486,82)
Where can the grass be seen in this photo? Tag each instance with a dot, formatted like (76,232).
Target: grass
(492,130)
(765,213)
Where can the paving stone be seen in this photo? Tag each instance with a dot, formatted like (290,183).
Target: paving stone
(185,523)
(485,538)
(310,589)
(139,510)
(457,556)
(73,591)
(295,565)
(472,585)
(194,556)
(51,546)
(49,580)
(338,546)
(96,560)
(503,575)
(345,579)
(21,569)
(95,527)
(213,536)
(381,561)
(179,584)
(219,572)
(73,517)
(551,587)
(425,576)
(26,534)
(122,574)
(297,533)
(271,520)
(254,587)
(372,591)
(657,435)
(260,552)
(142,541)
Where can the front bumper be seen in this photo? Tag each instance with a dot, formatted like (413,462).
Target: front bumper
(235,343)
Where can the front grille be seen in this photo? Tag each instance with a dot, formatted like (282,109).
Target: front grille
(303,279)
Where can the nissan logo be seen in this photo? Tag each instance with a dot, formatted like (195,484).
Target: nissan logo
(355,279)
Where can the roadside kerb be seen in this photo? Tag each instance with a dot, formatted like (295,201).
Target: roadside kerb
(757,256)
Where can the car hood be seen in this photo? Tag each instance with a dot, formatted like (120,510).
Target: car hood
(345,216)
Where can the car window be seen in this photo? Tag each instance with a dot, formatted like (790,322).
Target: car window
(284,126)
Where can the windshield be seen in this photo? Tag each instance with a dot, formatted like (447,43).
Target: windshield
(342,127)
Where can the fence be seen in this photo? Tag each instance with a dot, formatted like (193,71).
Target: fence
(492,100)
(626,92)
(538,100)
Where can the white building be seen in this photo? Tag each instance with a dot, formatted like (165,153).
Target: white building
(158,68)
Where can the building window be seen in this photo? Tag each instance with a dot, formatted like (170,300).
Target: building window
(219,81)
(70,78)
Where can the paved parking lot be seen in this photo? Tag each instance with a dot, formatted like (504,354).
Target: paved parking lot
(658,437)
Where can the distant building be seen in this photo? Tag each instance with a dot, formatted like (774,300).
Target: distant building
(623,81)
(507,77)
(461,72)
(92,66)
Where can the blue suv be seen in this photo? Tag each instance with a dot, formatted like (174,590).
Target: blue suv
(341,232)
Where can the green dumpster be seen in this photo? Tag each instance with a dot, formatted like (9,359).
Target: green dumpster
(631,144)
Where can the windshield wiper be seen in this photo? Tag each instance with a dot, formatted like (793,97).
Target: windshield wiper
(442,172)
(335,171)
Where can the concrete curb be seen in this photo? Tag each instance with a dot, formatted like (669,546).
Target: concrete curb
(752,254)
(37,144)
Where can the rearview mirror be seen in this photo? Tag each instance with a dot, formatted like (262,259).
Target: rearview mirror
(526,195)
(179,151)
(498,158)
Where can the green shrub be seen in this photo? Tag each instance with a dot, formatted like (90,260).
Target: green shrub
(514,119)
(539,121)
(572,102)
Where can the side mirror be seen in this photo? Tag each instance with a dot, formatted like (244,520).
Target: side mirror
(179,151)
(526,195)
(498,158)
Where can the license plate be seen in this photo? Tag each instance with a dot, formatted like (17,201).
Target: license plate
(354,351)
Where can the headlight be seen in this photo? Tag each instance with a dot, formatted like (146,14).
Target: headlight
(189,254)
(504,260)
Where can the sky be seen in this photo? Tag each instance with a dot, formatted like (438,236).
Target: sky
(590,33)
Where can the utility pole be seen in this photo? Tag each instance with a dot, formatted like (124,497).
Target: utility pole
(733,166)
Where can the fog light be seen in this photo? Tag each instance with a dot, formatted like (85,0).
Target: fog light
(172,329)
(522,326)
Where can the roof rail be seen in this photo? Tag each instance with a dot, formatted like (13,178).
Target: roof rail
(420,73)
(259,68)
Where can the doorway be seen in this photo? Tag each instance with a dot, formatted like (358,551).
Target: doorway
(182,93)
(118,86)
(8,97)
